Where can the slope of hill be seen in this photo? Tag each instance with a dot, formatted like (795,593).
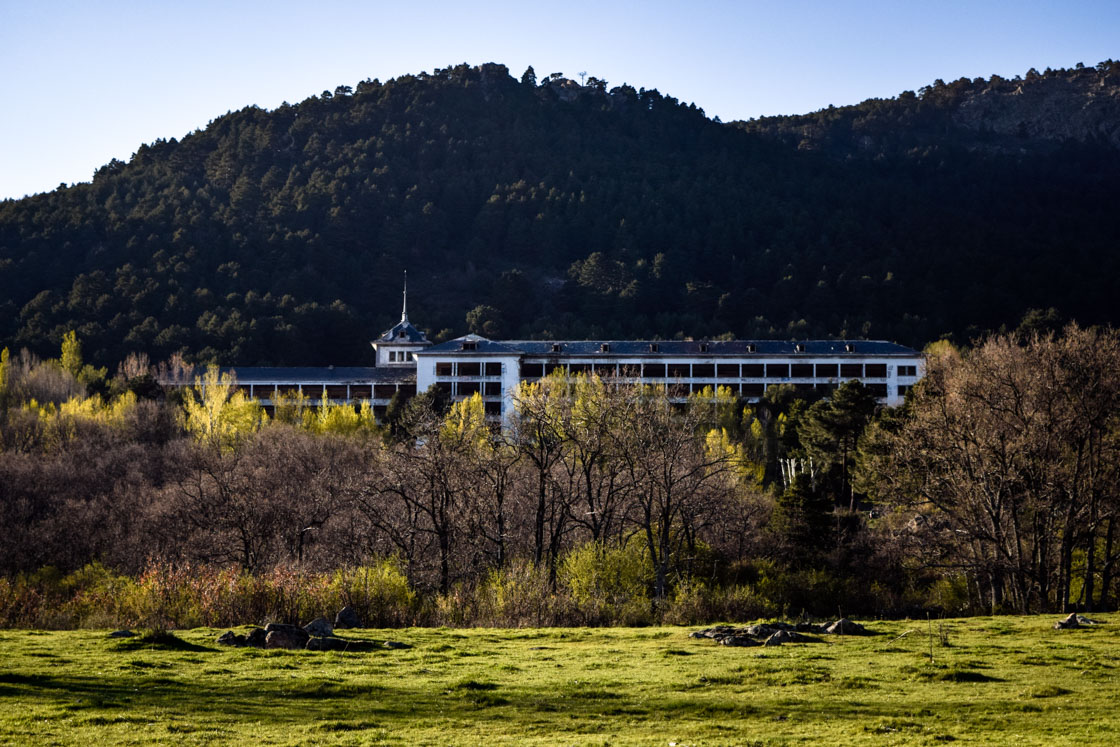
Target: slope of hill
(526,209)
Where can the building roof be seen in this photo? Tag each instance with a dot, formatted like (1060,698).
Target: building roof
(328,375)
(652,348)
(403,331)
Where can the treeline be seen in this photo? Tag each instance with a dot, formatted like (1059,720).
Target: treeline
(544,208)
(995,488)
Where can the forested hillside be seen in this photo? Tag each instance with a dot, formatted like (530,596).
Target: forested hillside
(525,207)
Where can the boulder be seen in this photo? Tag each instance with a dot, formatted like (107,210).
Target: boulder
(1068,623)
(121,634)
(844,626)
(255,638)
(738,640)
(790,636)
(229,638)
(331,643)
(320,626)
(278,635)
(347,618)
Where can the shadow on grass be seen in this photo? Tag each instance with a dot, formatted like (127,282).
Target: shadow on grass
(161,640)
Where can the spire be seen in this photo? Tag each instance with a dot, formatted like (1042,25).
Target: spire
(404,307)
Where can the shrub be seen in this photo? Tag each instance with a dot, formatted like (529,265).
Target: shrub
(610,585)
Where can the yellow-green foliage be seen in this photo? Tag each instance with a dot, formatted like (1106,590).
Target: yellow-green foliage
(219,414)
(5,375)
(610,582)
(71,361)
(466,422)
(71,357)
(378,591)
(339,419)
(289,407)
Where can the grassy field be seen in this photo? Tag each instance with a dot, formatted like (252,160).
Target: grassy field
(1002,679)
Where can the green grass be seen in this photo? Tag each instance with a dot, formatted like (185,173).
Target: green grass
(1010,680)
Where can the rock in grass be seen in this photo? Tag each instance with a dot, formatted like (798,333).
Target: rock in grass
(255,638)
(320,626)
(347,618)
(739,640)
(1074,620)
(229,638)
(279,635)
(332,643)
(121,634)
(844,626)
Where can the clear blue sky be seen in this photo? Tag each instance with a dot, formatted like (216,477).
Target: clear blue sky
(84,82)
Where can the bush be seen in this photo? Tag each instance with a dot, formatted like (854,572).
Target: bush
(610,585)
(379,593)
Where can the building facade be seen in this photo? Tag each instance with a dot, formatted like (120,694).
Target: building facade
(407,362)
(494,369)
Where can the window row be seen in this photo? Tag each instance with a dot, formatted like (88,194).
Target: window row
(467,388)
(713,370)
(468,368)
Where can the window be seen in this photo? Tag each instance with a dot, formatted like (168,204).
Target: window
(879,390)
(556,347)
(876,371)
(470,345)
(703,347)
(728,370)
(493,409)
(384,391)
(604,369)
(473,368)
(907,370)
(753,390)
(678,370)
(802,370)
(493,368)
(443,368)
(851,370)
(467,388)
(532,370)
(777,370)
(492,389)
(752,371)
(703,371)
(799,348)
(903,389)
(653,371)
(654,347)
(827,370)
(579,368)
(605,347)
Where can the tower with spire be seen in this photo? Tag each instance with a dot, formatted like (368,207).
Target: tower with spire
(394,348)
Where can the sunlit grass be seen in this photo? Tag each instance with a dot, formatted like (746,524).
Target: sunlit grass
(1011,680)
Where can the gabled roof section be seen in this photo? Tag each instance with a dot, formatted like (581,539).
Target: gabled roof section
(473,344)
(403,331)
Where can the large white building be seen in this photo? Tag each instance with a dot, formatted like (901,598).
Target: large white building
(407,362)
(473,364)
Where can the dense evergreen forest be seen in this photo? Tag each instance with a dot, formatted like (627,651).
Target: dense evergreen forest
(542,207)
